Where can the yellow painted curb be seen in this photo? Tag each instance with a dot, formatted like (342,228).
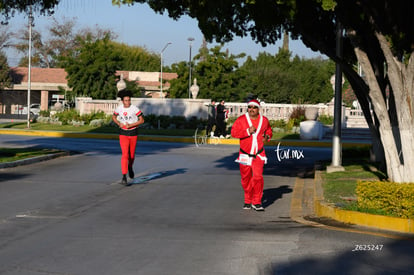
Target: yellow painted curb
(324,209)
(377,221)
(315,143)
(57,134)
(165,138)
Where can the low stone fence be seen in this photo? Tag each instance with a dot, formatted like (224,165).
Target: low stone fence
(274,111)
(157,106)
(198,108)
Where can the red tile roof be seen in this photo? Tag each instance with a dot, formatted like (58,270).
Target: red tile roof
(42,75)
(169,76)
(58,75)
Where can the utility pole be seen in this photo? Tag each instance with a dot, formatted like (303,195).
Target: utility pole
(162,95)
(189,63)
(336,164)
(29,73)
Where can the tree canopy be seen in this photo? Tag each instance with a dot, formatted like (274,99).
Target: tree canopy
(282,79)
(91,68)
(5,78)
(10,7)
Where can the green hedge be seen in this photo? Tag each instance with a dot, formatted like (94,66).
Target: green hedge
(395,199)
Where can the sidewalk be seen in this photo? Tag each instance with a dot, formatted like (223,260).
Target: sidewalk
(307,205)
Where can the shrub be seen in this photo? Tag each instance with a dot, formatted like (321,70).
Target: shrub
(280,123)
(326,119)
(297,116)
(193,122)
(44,113)
(395,199)
(87,118)
(67,116)
(151,120)
(179,121)
(43,119)
(164,121)
(97,122)
(231,120)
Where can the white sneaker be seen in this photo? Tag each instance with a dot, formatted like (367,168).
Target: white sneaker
(227,136)
(257,207)
(221,136)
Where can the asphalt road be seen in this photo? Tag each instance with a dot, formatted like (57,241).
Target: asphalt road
(70,216)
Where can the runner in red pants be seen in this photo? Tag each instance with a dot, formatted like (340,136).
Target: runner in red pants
(127,117)
(252,129)
(128,145)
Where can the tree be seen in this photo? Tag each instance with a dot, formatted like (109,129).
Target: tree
(179,86)
(91,68)
(136,58)
(216,73)
(5,78)
(56,42)
(378,34)
(282,79)
(41,52)
(9,8)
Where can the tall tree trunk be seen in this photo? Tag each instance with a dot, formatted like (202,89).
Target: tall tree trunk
(397,140)
(361,91)
(401,78)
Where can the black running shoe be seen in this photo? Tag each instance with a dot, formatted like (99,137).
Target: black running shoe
(124,180)
(247,206)
(131,172)
(257,207)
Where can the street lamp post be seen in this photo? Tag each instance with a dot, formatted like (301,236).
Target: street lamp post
(166,45)
(190,39)
(336,164)
(29,73)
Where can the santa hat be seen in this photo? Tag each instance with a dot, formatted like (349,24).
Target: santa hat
(253,102)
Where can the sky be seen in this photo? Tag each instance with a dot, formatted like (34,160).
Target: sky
(139,25)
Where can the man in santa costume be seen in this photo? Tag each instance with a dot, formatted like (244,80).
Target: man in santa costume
(252,129)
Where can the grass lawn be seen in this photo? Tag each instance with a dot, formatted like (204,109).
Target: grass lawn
(13,154)
(339,187)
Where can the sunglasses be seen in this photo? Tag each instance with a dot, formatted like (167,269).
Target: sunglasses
(252,107)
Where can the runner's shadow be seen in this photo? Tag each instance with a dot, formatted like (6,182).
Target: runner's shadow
(156,175)
(272,194)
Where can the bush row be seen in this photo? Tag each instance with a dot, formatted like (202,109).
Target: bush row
(172,122)
(395,199)
(72,116)
(151,121)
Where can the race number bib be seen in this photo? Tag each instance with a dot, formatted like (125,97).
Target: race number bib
(244,159)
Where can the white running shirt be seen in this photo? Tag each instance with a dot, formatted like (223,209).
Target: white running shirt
(129,115)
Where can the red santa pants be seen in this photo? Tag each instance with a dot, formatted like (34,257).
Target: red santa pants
(128,145)
(252,181)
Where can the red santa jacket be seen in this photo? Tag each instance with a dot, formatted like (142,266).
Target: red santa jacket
(240,129)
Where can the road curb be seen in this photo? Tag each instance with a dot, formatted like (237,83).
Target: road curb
(323,209)
(32,160)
